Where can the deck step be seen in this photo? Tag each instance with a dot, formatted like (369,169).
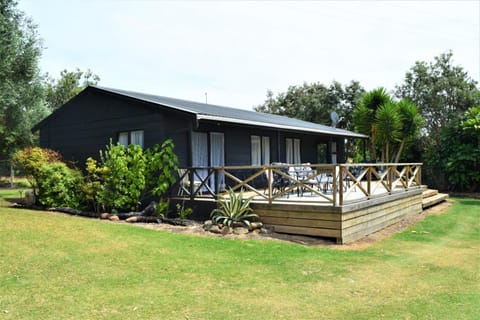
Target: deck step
(429,193)
(433,200)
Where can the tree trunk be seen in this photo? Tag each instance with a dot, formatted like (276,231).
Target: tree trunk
(400,150)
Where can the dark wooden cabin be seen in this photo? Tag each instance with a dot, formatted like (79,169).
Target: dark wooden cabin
(204,134)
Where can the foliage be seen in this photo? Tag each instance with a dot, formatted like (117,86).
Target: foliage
(59,186)
(93,184)
(441,90)
(21,87)
(70,83)
(123,178)
(31,160)
(458,155)
(161,168)
(126,176)
(183,212)
(390,124)
(234,209)
(314,102)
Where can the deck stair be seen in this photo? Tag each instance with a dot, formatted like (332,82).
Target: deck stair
(432,197)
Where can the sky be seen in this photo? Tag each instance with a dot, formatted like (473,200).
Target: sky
(230,52)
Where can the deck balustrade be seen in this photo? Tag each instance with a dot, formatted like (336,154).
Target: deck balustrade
(327,184)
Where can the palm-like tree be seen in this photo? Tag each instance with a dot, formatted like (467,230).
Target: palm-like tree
(364,116)
(411,121)
(388,124)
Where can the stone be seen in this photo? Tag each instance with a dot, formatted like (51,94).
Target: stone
(207,225)
(29,198)
(256,225)
(240,230)
(113,218)
(104,215)
(215,229)
(226,230)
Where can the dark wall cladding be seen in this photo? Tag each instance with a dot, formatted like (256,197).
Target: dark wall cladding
(87,123)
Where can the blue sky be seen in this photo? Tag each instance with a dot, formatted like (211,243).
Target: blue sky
(235,51)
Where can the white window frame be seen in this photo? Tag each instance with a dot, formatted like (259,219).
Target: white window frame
(131,137)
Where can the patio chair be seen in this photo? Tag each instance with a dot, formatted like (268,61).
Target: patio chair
(325,182)
(184,185)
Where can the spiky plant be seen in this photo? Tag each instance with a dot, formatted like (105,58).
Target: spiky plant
(233,209)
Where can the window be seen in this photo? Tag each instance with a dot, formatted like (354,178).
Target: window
(292,150)
(260,150)
(131,137)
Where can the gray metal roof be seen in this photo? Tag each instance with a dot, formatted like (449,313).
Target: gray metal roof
(205,111)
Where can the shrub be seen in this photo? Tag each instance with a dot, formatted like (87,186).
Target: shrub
(129,175)
(31,160)
(59,186)
(123,177)
(234,209)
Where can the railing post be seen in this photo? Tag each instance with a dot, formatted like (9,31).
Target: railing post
(191,184)
(334,184)
(369,181)
(269,184)
(340,189)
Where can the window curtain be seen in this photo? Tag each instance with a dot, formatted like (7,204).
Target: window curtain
(123,138)
(200,155)
(289,150)
(256,150)
(266,150)
(136,137)
(296,151)
(217,157)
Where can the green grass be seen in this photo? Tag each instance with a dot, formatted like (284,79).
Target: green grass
(61,267)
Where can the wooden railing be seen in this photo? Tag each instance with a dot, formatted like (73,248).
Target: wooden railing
(330,184)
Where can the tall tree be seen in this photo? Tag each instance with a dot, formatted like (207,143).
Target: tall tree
(70,83)
(21,89)
(441,90)
(390,124)
(314,102)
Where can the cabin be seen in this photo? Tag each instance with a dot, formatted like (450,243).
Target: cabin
(294,170)
(203,134)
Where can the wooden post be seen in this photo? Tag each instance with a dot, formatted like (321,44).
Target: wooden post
(340,187)
(334,185)
(369,182)
(269,184)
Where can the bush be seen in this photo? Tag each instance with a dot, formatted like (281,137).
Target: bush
(127,176)
(59,186)
(31,160)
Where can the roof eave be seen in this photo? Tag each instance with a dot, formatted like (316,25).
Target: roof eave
(343,133)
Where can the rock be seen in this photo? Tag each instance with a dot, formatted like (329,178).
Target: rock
(113,218)
(104,215)
(226,230)
(256,231)
(29,198)
(207,225)
(265,231)
(131,219)
(240,230)
(215,229)
(256,225)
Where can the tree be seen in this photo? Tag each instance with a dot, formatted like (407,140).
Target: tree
(441,90)
(364,116)
(390,124)
(70,83)
(314,102)
(21,89)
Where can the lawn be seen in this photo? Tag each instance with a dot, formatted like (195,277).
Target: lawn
(55,266)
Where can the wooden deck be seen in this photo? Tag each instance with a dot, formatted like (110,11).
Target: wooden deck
(344,202)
